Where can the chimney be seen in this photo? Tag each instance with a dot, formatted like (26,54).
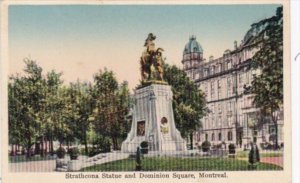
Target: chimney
(235,45)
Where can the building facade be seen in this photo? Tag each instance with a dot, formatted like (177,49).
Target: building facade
(232,113)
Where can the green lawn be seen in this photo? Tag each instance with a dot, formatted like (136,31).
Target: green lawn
(180,164)
(245,154)
(22,158)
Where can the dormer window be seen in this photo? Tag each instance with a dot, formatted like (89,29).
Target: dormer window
(228,65)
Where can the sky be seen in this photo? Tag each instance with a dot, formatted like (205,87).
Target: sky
(79,40)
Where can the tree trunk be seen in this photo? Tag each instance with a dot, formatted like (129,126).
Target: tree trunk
(191,140)
(68,142)
(42,147)
(114,143)
(12,153)
(85,144)
(51,145)
(28,154)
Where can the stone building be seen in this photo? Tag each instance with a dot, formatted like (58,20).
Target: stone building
(223,80)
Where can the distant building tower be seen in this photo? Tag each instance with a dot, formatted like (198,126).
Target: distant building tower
(192,57)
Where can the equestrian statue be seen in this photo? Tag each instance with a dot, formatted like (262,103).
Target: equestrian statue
(151,62)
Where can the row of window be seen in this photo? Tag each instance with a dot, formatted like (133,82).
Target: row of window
(193,56)
(229,107)
(217,68)
(244,78)
(229,136)
(217,122)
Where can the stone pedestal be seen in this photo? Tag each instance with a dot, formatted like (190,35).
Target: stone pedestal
(74,165)
(153,121)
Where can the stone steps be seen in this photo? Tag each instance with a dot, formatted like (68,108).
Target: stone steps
(62,169)
(104,158)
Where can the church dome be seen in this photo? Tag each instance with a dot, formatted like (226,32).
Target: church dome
(192,46)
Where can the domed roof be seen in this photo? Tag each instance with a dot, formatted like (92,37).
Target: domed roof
(192,46)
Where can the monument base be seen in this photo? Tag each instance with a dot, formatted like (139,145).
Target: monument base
(153,121)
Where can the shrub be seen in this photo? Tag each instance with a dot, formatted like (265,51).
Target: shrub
(23,152)
(206,146)
(94,151)
(74,153)
(231,148)
(60,152)
(144,147)
(218,146)
(82,151)
(101,145)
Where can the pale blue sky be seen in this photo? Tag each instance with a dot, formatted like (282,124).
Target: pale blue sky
(79,40)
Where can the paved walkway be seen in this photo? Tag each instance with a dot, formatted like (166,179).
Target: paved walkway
(272,160)
(104,158)
(33,166)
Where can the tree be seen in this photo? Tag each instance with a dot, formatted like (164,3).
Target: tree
(27,97)
(122,125)
(111,107)
(16,114)
(82,110)
(55,104)
(267,87)
(189,102)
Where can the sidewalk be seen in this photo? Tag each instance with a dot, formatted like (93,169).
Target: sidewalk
(271,160)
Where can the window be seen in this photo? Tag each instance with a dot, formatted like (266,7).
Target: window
(213,137)
(253,72)
(206,89)
(219,89)
(229,121)
(229,136)
(212,109)
(229,87)
(247,77)
(220,137)
(219,83)
(220,122)
(212,91)
(219,108)
(206,137)
(229,106)
(241,78)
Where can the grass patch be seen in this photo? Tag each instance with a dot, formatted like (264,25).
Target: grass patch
(180,164)
(245,154)
(22,158)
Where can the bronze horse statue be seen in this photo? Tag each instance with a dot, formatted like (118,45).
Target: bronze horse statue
(151,61)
